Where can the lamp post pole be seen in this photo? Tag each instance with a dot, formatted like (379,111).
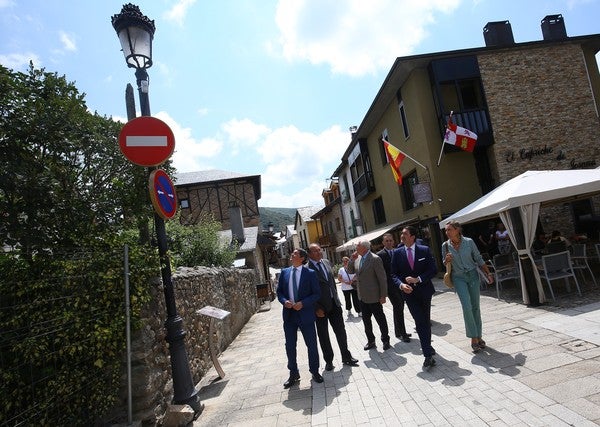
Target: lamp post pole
(135,32)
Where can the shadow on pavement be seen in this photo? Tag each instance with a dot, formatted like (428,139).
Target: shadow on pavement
(504,363)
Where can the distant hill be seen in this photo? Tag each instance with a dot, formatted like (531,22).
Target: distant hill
(280,217)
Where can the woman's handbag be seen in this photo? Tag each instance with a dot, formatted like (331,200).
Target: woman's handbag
(448,274)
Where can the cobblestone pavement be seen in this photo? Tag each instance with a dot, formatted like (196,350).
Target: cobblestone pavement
(541,368)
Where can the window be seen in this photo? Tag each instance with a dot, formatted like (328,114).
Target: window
(345,189)
(378,211)
(407,183)
(403,119)
(184,204)
(384,158)
(338,225)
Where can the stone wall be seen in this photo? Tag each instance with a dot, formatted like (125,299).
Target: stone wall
(544,116)
(542,107)
(233,290)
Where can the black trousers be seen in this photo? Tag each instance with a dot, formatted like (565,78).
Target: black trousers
(376,310)
(419,306)
(335,319)
(398,306)
(351,296)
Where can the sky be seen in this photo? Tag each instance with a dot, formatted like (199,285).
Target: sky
(261,87)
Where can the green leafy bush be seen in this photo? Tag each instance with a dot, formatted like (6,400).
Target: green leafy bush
(195,245)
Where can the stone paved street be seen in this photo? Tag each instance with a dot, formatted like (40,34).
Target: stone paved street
(541,368)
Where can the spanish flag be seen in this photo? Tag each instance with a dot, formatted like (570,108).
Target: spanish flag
(395,158)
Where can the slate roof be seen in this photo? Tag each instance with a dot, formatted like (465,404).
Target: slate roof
(307,212)
(250,234)
(214,175)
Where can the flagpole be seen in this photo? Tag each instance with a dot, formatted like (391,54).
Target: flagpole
(406,155)
(442,149)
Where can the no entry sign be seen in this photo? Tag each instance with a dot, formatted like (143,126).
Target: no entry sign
(162,193)
(147,141)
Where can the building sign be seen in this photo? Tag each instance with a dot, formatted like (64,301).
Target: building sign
(530,154)
(422,192)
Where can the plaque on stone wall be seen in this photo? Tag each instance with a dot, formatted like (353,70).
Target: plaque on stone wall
(215,312)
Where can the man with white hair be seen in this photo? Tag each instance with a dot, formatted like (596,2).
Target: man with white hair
(372,291)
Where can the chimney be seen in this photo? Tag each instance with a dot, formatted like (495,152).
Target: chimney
(237,224)
(553,28)
(498,33)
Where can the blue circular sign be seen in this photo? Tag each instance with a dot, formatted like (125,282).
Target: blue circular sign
(162,193)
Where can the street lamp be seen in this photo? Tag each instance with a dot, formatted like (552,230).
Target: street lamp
(135,32)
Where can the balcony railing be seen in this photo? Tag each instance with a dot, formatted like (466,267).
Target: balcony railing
(474,120)
(363,186)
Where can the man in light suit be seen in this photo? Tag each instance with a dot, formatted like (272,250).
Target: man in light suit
(329,309)
(372,291)
(298,291)
(394,293)
(413,267)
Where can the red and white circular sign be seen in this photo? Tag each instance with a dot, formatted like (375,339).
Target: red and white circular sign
(147,141)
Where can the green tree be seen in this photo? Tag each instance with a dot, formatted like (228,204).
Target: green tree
(68,200)
(62,176)
(199,244)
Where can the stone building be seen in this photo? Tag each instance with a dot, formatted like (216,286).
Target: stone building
(232,200)
(534,106)
(332,223)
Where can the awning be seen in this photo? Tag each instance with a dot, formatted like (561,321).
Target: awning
(372,235)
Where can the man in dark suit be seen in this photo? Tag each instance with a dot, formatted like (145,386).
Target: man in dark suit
(298,291)
(413,267)
(329,309)
(372,291)
(393,292)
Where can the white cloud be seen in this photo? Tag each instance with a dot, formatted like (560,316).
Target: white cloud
(244,130)
(6,3)
(190,154)
(20,61)
(355,37)
(288,159)
(179,11)
(68,41)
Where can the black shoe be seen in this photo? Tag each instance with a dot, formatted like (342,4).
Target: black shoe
(386,345)
(317,377)
(402,335)
(294,378)
(329,366)
(433,353)
(405,338)
(369,346)
(350,362)
(428,363)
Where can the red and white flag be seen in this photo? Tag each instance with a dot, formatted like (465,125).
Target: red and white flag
(460,137)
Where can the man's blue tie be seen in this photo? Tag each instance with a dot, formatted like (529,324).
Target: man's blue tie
(295,284)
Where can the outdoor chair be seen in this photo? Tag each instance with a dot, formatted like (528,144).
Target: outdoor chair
(558,266)
(483,280)
(555,247)
(580,261)
(505,268)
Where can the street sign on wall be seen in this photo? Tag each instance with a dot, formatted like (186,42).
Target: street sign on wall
(147,141)
(162,193)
